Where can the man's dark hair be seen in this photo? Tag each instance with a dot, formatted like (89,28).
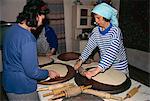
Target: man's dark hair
(30,12)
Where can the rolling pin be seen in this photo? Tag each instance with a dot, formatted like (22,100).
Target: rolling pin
(54,86)
(73,91)
(102,94)
(58,90)
(132,92)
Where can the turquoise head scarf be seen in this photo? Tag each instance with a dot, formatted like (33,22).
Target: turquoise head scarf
(107,12)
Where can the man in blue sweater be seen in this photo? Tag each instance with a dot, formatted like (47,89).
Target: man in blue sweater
(20,62)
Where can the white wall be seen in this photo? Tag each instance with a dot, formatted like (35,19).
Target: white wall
(10,9)
(139,59)
(68,23)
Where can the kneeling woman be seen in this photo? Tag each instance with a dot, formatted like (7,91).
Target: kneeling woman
(108,38)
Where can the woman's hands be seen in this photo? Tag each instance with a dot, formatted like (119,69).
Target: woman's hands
(52,52)
(78,64)
(91,73)
(88,74)
(53,74)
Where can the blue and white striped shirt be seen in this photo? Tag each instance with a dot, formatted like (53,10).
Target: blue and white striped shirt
(111,49)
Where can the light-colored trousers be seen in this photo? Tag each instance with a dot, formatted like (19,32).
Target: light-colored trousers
(23,97)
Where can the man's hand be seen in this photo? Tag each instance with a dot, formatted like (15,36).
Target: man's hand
(53,74)
(78,64)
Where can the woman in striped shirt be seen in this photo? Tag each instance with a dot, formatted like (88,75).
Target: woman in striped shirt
(108,38)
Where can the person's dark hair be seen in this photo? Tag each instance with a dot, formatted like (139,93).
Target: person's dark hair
(109,2)
(30,12)
(107,20)
(36,32)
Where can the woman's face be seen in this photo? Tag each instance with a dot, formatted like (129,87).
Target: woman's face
(40,19)
(99,20)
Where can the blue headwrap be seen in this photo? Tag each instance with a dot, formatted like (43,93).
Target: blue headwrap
(107,12)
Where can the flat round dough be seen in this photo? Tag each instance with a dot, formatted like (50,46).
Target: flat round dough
(110,76)
(61,69)
(44,60)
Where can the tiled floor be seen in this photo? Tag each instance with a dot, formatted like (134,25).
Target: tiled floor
(135,74)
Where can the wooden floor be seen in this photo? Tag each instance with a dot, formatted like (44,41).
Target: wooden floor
(135,74)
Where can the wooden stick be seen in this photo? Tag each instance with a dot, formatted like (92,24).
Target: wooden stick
(102,94)
(132,92)
(58,90)
(54,86)
(73,91)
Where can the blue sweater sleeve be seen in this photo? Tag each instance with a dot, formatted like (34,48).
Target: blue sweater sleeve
(30,62)
(51,37)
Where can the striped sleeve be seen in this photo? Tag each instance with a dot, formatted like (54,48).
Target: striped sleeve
(90,46)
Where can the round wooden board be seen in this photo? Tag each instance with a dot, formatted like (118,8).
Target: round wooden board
(68,56)
(69,75)
(110,88)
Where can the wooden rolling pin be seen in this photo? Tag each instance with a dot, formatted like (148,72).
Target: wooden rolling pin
(102,94)
(73,91)
(54,86)
(132,92)
(58,90)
